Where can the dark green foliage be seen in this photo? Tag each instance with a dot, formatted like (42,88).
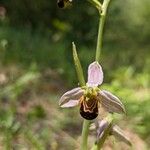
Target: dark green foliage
(41,32)
(36,113)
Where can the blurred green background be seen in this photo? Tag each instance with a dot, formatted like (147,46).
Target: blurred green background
(36,67)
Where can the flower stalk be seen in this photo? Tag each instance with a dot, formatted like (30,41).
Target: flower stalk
(85,129)
(102,19)
(102,11)
(96,3)
(88,95)
(85,132)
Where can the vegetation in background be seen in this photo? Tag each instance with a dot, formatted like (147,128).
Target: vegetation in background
(35,33)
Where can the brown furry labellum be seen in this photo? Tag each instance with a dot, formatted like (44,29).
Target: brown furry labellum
(89,108)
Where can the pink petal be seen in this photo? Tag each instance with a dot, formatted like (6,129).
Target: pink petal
(110,102)
(102,126)
(72,95)
(120,135)
(71,103)
(95,74)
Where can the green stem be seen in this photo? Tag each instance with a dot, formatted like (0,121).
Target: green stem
(96,3)
(94,147)
(103,9)
(97,58)
(101,28)
(85,132)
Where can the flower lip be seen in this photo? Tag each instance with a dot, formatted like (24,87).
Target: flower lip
(89,108)
(95,74)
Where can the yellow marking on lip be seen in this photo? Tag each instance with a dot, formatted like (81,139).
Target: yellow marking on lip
(91,108)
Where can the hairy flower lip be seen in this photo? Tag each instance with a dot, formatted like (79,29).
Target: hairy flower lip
(91,91)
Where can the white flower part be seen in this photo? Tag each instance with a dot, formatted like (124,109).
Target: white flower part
(95,74)
(71,103)
(69,98)
(110,102)
(102,126)
(120,135)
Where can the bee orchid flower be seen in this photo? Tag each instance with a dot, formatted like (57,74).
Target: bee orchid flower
(91,97)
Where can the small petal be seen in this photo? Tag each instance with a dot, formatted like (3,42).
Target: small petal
(69,98)
(71,103)
(118,133)
(102,125)
(95,74)
(110,102)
